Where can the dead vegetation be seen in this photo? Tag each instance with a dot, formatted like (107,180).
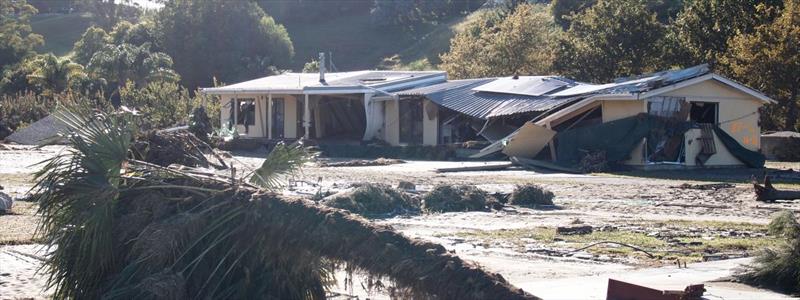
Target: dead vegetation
(531,195)
(373,199)
(165,148)
(122,228)
(778,266)
(458,198)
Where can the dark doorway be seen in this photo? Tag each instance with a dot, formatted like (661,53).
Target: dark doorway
(410,112)
(342,118)
(704,112)
(277,118)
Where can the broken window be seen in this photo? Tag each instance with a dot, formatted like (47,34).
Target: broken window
(245,111)
(704,112)
(410,121)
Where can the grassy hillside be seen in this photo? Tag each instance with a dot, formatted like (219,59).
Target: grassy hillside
(60,31)
(357,44)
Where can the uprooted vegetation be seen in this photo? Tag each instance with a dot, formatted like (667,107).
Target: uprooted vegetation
(778,267)
(176,147)
(122,228)
(458,198)
(373,199)
(531,195)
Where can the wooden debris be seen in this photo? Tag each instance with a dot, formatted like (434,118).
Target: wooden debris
(574,229)
(476,168)
(768,193)
(709,186)
(363,162)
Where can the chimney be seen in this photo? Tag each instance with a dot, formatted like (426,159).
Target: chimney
(321,63)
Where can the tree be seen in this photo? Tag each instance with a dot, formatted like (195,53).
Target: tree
(562,10)
(92,41)
(613,38)
(769,60)
(704,27)
(519,44)
(230,40)
(16,38)
(54,75)
(119,64)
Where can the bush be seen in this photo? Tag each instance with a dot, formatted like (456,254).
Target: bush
(778,268)
(20,110)
(163,104)
(372,199)
(447,198)
(531,195)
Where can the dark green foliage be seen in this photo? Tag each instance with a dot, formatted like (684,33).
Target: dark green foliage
(531,195)
(457,198)
(91,42)
(16,39)
(611,39)
(372,199)
(162,104)
(200,125)
(779,268)
(230,40)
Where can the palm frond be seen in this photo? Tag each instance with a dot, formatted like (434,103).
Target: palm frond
(284,160)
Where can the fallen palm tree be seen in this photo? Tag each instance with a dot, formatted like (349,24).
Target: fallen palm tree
(768,193)
(124,228)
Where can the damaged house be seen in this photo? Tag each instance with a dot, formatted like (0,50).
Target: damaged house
(688,117)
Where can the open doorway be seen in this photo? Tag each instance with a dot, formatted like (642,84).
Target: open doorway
(410,112)
(341,118)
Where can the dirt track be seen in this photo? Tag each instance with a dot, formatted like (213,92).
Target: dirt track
(635,204)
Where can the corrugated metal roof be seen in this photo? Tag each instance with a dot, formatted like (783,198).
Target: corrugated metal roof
(459,95)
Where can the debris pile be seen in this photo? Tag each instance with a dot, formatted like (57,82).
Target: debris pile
(159,232)
(531,195)
(6,203)
(593,162)
(363,162)
(373,199)
(165,148)
(457,198)
(200,125)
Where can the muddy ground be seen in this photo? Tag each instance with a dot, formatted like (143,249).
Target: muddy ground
(667,223)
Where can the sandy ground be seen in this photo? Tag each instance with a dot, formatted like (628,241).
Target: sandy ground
(597,200)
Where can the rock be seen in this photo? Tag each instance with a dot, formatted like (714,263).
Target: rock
(574,229)
(608,228)
(5,203)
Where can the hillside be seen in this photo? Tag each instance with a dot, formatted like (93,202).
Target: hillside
(60,31)
(357,44)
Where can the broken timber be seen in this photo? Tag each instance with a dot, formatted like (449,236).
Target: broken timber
(768,193)
(475,168)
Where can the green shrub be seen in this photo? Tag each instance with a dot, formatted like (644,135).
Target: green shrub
(455,198)
(370,199)
(778,268)
(531,195)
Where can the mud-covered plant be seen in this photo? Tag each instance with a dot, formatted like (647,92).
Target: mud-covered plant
(456,198)
(779,268)
(531,195)
(121,228)
(373,199)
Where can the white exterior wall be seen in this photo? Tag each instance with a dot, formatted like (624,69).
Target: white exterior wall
(430,124)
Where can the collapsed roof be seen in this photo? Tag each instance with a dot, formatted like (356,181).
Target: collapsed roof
(486,98)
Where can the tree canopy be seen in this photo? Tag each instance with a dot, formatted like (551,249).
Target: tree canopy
(229,40)
(16,38)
